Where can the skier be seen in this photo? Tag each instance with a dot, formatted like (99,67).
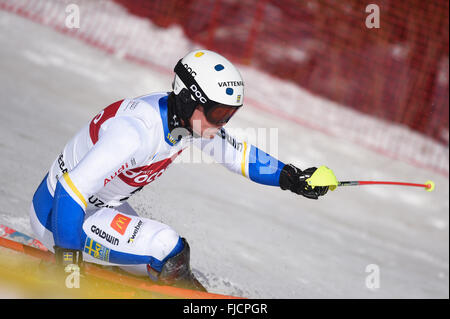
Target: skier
(79,210)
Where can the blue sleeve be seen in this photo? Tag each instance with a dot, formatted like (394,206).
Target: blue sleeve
(263,168)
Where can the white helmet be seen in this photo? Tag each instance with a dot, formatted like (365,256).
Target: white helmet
(208,79)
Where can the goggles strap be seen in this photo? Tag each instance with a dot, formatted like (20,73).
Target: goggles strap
(192,85)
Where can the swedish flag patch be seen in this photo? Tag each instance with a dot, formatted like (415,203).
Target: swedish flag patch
(68,256)
(96,250)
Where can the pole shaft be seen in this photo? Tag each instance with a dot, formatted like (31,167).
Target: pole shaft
(355,183)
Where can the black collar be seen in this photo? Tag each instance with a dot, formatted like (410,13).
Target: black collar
(174,117)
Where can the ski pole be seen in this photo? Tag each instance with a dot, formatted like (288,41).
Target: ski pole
(324,176)
(429,185)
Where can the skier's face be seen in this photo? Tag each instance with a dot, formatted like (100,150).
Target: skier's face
(201,126)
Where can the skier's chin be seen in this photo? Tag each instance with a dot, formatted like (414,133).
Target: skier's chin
(210,132)
(207,133)
(207,136)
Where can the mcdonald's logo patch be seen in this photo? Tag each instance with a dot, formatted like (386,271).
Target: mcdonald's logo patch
(120,223)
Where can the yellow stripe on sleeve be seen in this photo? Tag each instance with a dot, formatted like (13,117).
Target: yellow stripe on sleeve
(74,189)
(243,160)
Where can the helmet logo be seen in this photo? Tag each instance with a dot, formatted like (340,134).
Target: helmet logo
(198,94)
(230,83)
(189,69)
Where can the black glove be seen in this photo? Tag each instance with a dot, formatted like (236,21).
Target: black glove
(65,256)
(294,179)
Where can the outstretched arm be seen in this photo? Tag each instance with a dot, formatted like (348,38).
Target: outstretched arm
(258,166)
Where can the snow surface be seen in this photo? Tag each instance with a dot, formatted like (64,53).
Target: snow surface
(246,239)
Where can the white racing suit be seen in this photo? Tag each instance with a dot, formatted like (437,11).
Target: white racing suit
(81,202)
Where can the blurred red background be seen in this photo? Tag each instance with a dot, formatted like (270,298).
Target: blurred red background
(398,72)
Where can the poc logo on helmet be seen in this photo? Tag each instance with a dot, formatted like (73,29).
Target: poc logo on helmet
(192,72)
(197,93)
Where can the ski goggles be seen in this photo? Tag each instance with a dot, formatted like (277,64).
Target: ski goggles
(216,113)
(219,113)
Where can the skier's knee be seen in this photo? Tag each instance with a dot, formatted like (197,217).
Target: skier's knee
(166,241)
(177,265)
(176,269)
(163,245)
(171,262)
